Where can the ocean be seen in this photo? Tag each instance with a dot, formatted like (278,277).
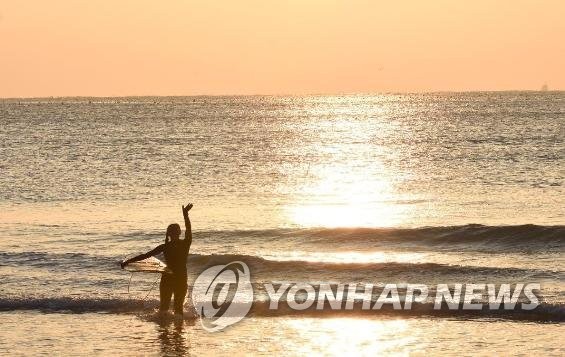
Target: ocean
(394,188)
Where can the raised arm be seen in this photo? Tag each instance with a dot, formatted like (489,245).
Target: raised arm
(187,225)
(157,250)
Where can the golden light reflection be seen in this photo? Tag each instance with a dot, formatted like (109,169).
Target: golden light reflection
(339,336)
(349,257)
(348,195)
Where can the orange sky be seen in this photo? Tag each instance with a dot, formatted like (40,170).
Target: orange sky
(185,47)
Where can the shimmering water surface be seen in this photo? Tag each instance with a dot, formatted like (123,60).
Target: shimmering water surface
(421,188)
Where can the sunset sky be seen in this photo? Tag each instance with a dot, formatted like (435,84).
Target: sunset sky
(176,47)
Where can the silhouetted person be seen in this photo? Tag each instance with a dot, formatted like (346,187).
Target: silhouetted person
(176,253)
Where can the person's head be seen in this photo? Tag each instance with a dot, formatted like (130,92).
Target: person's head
(173,232)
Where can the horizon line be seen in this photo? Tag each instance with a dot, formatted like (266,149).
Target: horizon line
(284,94)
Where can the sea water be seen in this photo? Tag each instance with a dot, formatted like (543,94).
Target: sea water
(394,188)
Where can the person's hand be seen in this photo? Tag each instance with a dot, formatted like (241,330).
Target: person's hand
(186,208)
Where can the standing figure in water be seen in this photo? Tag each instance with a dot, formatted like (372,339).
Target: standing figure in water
(176,254)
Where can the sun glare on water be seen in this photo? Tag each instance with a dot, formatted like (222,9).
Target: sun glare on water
(347,197)
(350,181)
(341,336)
(348,257)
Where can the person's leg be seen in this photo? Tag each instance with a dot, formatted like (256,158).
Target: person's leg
(180,294)
(165,292)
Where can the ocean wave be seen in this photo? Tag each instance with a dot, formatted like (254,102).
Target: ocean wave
(545,312)
(503,235)
(319,269)
(76,305)
(289,269)
(471,234)
(53,260)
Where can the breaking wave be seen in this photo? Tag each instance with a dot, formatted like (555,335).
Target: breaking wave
(545,312)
